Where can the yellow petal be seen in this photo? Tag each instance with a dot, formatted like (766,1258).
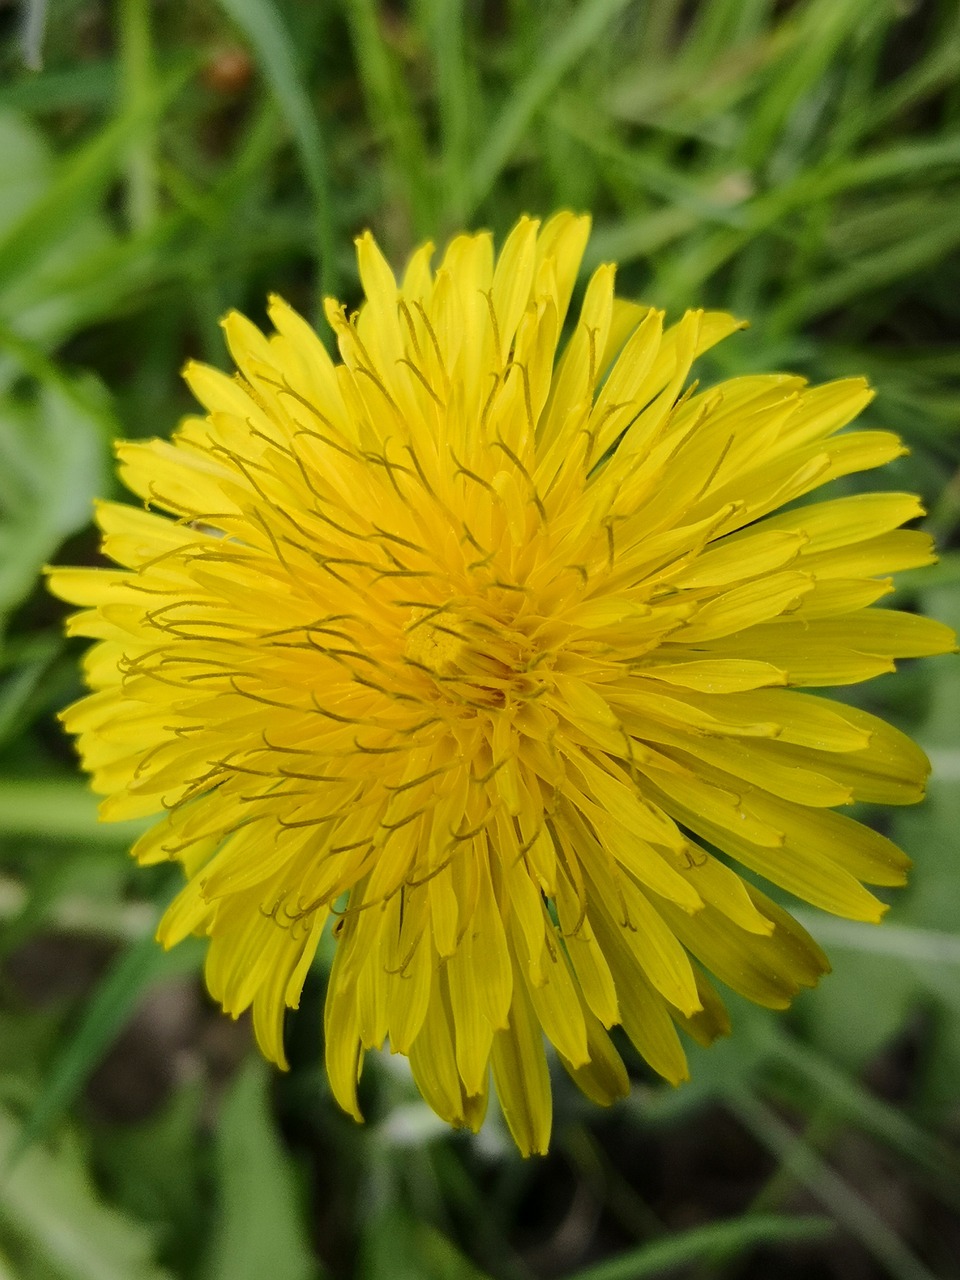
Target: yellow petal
(521,1076)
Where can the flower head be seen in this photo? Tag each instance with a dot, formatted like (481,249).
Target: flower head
(492,656)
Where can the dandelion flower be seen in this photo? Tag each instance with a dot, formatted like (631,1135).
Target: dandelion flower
(492,659)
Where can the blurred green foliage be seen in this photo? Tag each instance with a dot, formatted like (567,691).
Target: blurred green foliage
(795,162)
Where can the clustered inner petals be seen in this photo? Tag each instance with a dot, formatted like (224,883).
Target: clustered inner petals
(491,654)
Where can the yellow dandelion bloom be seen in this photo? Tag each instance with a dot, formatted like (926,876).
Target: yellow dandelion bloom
(492,654)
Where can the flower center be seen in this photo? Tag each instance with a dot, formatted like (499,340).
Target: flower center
(435,645)
(471,659)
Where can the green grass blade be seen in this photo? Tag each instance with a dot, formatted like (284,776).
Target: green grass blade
(928,946)
(718,1241)
(895,165)
(92,85)
(939,70)
(136,61)
(392,111)
(567,48)
(81,181)
(58,810)
(639,237)
(844,287)
(446,24)
(821,29)
(131,974)
(263,27)
(33,32)
(846,1098)
(848,1208)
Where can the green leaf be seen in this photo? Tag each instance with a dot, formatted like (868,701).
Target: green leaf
(6,1268)
(29,298)
(27,677)
(395,1244)
(52,464)
(28,167)
(261,1229)
(157,1170)
(52,1216)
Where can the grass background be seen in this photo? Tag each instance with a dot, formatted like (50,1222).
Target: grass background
(797,163)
